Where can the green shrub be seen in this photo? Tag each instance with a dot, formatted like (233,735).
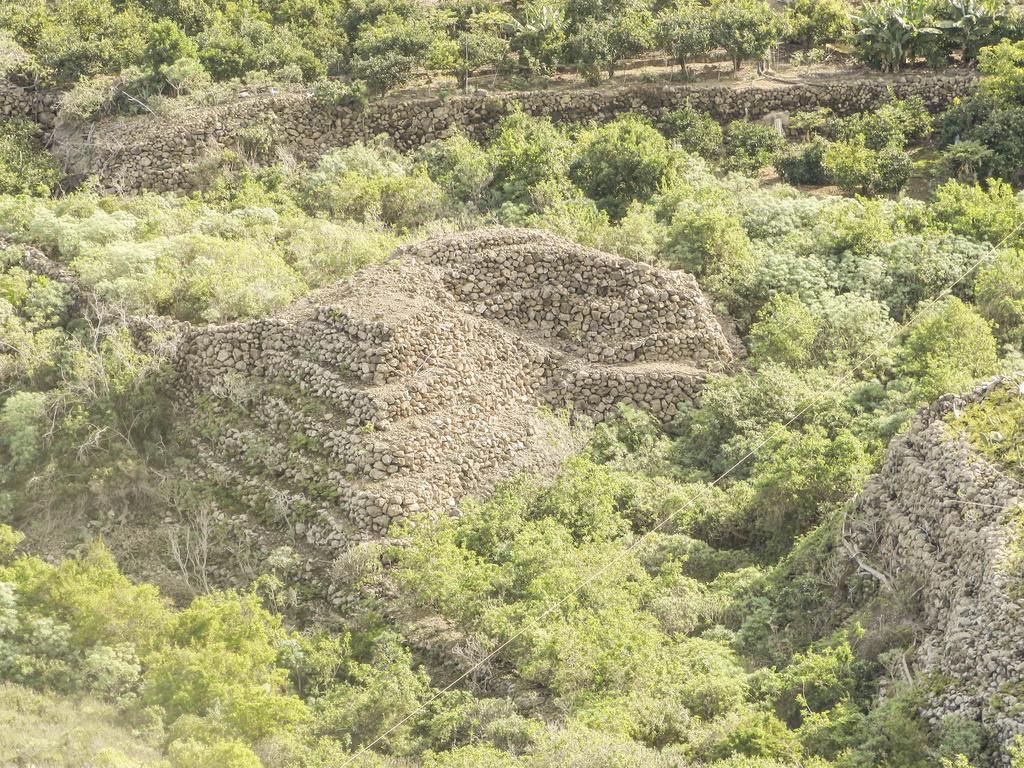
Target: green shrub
(948,349)
(998,133)
(967,161)
(25,167)
(22,417)
(695,131)
(739,412)
(798,477)
(460,166)
(335,93)
(707,240)
(372,183)
(993,213)
(186,76)
(999,290)
(815,23)
(896,123)
(856,168)
(750,733)
(749,147)
(525,153)
(992,118)
(189,753)
(89,98)
(784,332)
(803,163)
(620,162)
(922,266)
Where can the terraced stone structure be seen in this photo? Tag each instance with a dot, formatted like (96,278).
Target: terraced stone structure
(943,524)
(433,376)
(161,154)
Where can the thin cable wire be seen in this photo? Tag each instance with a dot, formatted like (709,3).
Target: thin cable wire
(639,541)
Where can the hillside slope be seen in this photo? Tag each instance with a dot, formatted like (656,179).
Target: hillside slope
(941,523)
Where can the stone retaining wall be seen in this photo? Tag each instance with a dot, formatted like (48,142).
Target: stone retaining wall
(168,154)
(938,521)
(38,106)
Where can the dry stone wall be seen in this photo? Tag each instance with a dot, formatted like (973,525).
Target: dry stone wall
(169,154)
(35,104)
(433,376)
(938,521)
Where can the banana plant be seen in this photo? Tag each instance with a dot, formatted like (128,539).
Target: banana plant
(973,23)
(537,32)
(893,33)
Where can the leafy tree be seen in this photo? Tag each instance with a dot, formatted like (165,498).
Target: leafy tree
(617,30)
(387,52)
(1003,68)
(948,349)
(695,131)
(746,29)
(525,153)
(751,146)
(166,44)
(1000,294)
(538,36)
(803,163)
(856,168)
(817,22)
(620,162)
(785,332)
(460,166)
(76,38)
(237,41)
(473,42)
(684,32)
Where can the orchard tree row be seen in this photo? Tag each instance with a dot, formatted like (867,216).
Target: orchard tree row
(145,48)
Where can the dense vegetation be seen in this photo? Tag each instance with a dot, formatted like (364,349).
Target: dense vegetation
(134,51)
(632,612)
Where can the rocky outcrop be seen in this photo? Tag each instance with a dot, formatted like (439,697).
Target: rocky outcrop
(163,153)
(436,375)
(940,523)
